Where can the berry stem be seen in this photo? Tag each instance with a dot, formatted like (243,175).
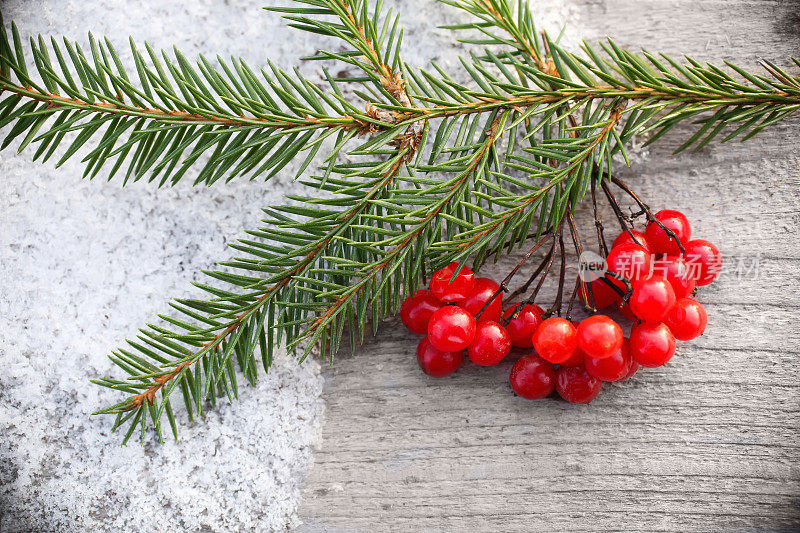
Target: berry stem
(585,288)
(578,283)
(625,222)
(626,294)
(601,240)
(650,217)
(504,284)
(558,236)
(543,268)
(524,288)
(556,307)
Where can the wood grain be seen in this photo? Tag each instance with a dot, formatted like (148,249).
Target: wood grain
(710,443)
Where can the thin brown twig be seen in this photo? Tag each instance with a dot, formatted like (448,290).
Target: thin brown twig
(626,294)
(556,307)
(532,298)
(644,207)
(586,288)
(504,284)
(548,263)
(625,223)
(598,223)
(568,316)
(535,274)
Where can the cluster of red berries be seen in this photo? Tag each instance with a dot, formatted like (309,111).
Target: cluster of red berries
(461,312)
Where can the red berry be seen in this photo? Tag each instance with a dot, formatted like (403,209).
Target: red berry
(677,272)
(555,340)
(629,260)
(576,385)
(634,368)
(521,327)
(532,377)
(576,360)
(652,344)
(652,299)
(482,291)
(614,368)
(625,310)
(491,344)
(705,257)
(599,336)
(457,290)
(625,238)
(603,294)
(660,241)
(687,319)
(417,309)
(435,362)
(451,329)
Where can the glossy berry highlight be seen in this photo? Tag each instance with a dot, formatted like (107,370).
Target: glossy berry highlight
(482,292)
(706,259)
(491,344)
(652,299)
(677,272)
(687,319)
(599,336)
(532,377)
(435,362)
(651,344)
(660,241)
(451,329)
(630,261)
(454,291)
(638,238)
(576,385)
(417,309)
(555,340)
(613,368)
(523,325)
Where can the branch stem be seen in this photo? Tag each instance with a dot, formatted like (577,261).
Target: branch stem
(586,288)
(644,207)
(148,394)
(410,115)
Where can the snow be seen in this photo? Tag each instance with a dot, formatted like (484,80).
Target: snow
(84,264)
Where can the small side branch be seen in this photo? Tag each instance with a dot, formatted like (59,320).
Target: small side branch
(598,223)
(644,207)
(585,289)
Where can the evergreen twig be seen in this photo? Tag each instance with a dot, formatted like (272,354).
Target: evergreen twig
(438,170)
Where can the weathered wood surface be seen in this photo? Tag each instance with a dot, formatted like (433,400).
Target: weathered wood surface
(709,443)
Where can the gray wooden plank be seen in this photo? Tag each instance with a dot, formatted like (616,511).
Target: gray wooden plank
(707,443)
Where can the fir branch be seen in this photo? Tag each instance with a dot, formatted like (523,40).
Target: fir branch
(535,205)
(516,21)
(374,38)
(509,156)
(170,115)
(249,319)
(248,323)
(361,28)
(400,247)
(174,114)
